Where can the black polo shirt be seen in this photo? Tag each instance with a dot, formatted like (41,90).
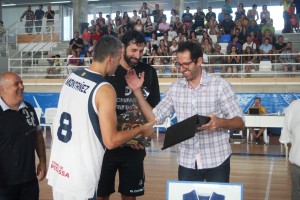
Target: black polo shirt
(17,144)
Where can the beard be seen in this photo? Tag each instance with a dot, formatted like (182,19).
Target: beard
(129,62)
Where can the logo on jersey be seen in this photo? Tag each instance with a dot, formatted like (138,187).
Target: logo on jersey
(59,169)
(29,117)
(128,91)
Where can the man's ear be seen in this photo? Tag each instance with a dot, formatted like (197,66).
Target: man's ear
(199,60)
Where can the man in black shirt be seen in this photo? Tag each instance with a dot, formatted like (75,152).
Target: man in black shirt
(75,44)
(128,160)
(20,137)
(49,14)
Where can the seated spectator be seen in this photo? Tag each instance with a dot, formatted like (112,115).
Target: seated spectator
(206,47)
(264,15)
(147,51)
(163,26)
(153,40)
(167,43)
(250,58)
(75,44)
(118,16)
(118,25)
(74,60)
(228,8)
(134,18)
(126,21)
(187,18)
(86,36)
(171,33)
(249,43)
(227,25)
(97,34)
(174,46)
(217,60)
(212,26)
(163,50)
(109,31)
(109,21)
(240,26)
(193,37)
(180,38)
(241,37)
(88,59)
(149,27)
(177,25)
(252,13)
(199,19)
(51,60)
(185,31)
(279,46)
(266,48)
(121,32)
(235,42)
(253,27)
(206,36)
(255,39)
(92,48)
(287,58)
(172,62)
(268,25)
(262,110)
(155,60)
(244,21)
(57,61)
(234,58)
(139,26)
(270,36)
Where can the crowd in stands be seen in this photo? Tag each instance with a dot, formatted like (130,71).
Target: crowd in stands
(241,30)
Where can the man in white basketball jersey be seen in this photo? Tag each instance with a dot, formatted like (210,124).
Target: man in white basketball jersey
(86,124)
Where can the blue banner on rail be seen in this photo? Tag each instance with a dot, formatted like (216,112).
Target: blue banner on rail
(273,102)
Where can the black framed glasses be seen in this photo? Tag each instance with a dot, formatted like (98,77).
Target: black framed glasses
(184,65)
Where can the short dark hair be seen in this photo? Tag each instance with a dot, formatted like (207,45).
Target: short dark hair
(133,36)
(194,49)
(257,98)
(106,46)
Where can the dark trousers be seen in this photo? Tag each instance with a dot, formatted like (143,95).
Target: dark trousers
(38,26)
(287,23)
(24,191)
(217,174)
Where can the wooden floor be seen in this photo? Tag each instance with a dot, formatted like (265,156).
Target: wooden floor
(263,169)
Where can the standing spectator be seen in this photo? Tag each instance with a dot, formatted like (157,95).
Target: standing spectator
(199,18)
(199,159)
(144,7)
(210,14)
(294,23)
(126,160)
(144,17)
(174,14)
(286,16)
(187,18)
(75,44)
(21,136)
(118,16)
(92,28)
(228,8)
(49,15)
(264,15)
(86,125)
(100,20)
(286,58)
(155,14)
(297,6)
(39,15)
(252,13)
(29,19)
(240,11)
(221,15)
(2,31)
(290,134)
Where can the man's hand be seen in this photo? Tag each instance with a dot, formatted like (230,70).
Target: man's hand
(41,171)
(215,123)
(148,130)
(133,81)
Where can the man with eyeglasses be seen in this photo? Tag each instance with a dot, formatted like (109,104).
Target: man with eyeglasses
(206,156)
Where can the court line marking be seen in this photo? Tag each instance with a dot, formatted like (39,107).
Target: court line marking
(269,180)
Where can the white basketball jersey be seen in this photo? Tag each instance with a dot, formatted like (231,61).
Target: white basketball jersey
(77,150)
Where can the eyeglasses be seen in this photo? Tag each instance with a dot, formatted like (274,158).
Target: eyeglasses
(184,65)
